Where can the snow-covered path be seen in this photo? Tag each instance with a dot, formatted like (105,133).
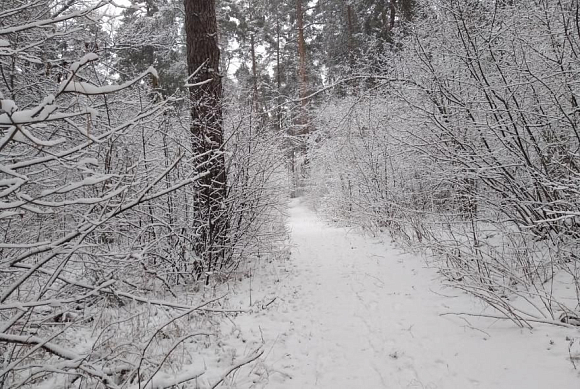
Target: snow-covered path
(356,313)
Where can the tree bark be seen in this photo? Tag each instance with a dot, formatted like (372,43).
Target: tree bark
(255,99)
(350,32)
(298,157)
(301,51)
(392,16)
(278,75)
(203,56)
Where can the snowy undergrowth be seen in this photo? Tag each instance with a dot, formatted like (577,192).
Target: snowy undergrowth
(191,340)
(332,308)
(524,279)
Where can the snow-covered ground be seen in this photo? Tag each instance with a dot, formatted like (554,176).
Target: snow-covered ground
(348,311)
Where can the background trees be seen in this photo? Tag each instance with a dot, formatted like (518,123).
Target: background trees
(150,34)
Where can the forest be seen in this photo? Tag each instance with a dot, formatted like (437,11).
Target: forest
(149,150)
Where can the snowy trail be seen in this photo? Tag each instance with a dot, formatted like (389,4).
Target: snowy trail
(356,313)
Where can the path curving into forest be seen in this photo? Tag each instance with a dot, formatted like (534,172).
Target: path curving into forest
(356,313)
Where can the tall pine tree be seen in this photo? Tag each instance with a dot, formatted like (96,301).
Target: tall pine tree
(203,61)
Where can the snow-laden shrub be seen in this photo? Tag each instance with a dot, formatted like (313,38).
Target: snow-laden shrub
(98,278)
(470,152)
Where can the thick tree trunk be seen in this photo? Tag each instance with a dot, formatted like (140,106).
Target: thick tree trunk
(203,56)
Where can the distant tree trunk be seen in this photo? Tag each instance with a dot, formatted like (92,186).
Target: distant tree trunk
(278,75)
(350,32)
(203,56)
(301,53)
(298,156)
(393,15)
(255,99)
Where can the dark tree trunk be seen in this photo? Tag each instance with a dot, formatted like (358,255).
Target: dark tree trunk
(393,15)
(278,75)
(350,33)
(302,127)
(255,97)
(301,52)
(203,56)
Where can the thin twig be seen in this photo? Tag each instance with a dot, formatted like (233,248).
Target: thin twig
(237,366)
(552,322)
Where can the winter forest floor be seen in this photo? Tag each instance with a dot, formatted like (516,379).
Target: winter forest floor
(348,311)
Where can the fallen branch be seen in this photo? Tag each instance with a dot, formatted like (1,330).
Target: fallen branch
(56,301)
(237,366)
(542,321)
(153,380)
(165,325)
(75,360)
(160,382)
(267,305)
(35,340)
(133,297)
